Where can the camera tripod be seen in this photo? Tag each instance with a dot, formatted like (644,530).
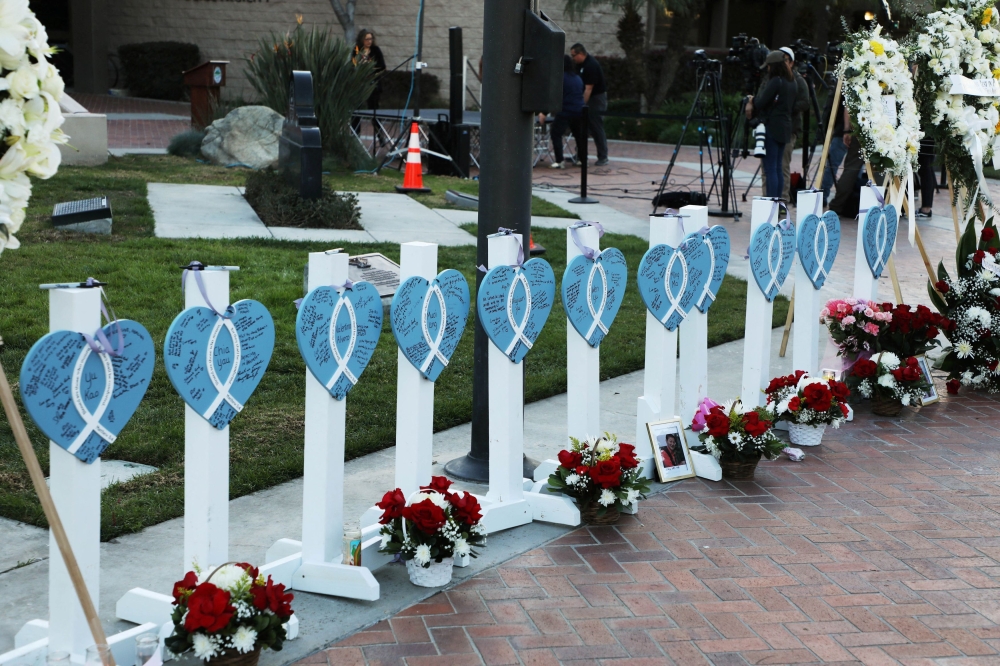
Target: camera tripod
(709,75)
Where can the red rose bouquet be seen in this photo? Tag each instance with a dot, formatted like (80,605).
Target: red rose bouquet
(886,377)
(231,610)
(733,435)
(799,398)
(600,470)
(432,525)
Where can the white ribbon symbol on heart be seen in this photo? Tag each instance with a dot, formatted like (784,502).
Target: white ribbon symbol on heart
(342,361)
(706,290)
(881,240)
(826,248)
(596,314)
(92,421)
(518,330)
(435,344)
(675,303)
(773,268)
(223,389)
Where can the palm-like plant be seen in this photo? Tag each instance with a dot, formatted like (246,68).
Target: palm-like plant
(339,87)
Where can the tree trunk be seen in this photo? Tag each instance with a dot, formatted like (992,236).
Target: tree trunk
(345,15)
(680,28)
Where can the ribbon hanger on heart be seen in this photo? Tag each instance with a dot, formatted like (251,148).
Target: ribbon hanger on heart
(771,219)
(588,252)
(197,267)
(504,231)
(102,345)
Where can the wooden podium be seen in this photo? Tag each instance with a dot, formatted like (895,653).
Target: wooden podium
(204,82)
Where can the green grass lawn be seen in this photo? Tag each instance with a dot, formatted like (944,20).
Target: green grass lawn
(267,437)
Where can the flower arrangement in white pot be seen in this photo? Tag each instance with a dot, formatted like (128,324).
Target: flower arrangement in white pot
(808,404)
(30,90)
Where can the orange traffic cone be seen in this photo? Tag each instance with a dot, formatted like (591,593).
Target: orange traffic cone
(533,247)
(413,179)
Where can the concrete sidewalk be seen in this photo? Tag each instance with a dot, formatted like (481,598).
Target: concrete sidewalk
(153,558)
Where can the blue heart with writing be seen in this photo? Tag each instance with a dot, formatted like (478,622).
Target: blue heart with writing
(592,292)
(879,236)
(337,334)
(428,319)
(514,303)
(818,242)
(670,280)
(772,252)
(82,400)
(215,363)
(716,244)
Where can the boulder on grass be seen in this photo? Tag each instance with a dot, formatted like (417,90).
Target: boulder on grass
(248,135)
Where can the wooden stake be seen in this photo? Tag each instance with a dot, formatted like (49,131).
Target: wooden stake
(818,180)
(38,480)
(954,210)
(788,324)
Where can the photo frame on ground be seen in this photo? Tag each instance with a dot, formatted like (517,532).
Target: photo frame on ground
(931,396)
(831,373)
(670,450)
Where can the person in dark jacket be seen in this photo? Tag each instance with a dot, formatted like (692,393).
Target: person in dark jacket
(571,116)
(366,50)
(775,106)
(595,96)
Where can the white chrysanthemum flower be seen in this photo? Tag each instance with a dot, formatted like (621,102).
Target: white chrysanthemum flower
(632,496)
(607,498)
(889,360)
(963,349)
(244,639)
(573,479)
(228,578)
(462,547)
(905,399)
(386,538)
(604,446)
(205,647)
(887,381)
(422,554)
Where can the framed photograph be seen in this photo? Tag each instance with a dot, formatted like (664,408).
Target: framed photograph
(670,450)
(931,396)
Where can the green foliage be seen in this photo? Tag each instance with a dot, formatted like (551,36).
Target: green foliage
(339,87)
(278,204)
(155,69)
(186,144)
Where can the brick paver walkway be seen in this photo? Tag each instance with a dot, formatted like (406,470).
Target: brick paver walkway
(880,548)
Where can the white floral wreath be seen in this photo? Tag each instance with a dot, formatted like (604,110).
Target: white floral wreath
(878,90)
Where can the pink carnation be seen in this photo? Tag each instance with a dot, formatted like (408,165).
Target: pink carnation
(848,320)
(704,407)
(869,312)
(871,328)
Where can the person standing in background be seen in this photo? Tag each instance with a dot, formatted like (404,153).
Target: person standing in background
(366,50)
(571,116)
(801,104)
(775,105)
(595,96)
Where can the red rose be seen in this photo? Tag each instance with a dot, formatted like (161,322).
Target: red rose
(844,410)
(993,250)
(570,459)
(795,404)
(897,373)
(754,425)
(942,286)
(912,362)
(932,332)
(392,505)
(988,234)
(952,386)
(864,368)
(717,423)
(439,483)
(278,601)
(465,508)
(606,473)
(818,397)
(184,586)
(993,365)
(911,374)
(839,390)
(208,609)
(627,457)
(426,516)
(977,257)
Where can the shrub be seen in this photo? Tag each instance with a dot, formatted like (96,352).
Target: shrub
(278,204)
(186,144)
(338,86)
(156,69)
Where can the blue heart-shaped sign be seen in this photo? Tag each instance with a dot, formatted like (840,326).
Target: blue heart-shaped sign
(772,251)
(82,400)
(671,280)
(592,292)
(513,304)
(337,334)
(215,363)
(715,243)
(818,241)
(428,319)
(879,237)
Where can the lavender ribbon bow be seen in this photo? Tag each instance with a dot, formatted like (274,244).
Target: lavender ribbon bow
(588,252)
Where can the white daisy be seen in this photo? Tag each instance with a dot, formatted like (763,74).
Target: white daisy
(963,349)
(573,479)
(607,498)
(423,554)
(244,639)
